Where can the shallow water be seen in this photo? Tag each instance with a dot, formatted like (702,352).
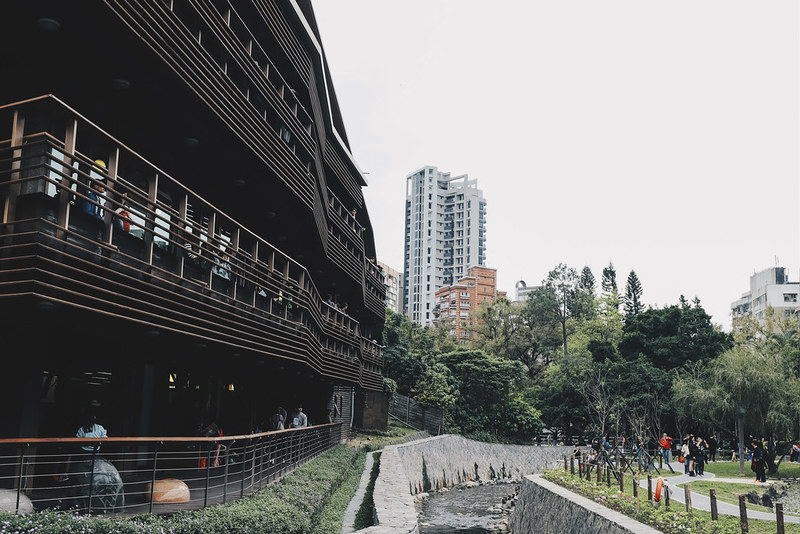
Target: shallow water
(462,510)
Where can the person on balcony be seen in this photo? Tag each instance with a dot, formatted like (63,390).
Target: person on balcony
(122,218)
(298,418)
(96,193)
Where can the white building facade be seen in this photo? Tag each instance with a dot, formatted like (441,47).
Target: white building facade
(768,288)
(445,234)
(392,280)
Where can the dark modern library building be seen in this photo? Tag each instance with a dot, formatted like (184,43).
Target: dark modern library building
(184,236)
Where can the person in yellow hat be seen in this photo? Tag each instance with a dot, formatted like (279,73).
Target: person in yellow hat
(96,193)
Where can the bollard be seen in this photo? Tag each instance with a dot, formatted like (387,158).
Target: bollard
(687,496)
(779,517)
(649,487)
(712,495)
(743,514)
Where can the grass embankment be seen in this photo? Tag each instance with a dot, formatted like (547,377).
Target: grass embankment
(364,516)
(669,521)
(372,440)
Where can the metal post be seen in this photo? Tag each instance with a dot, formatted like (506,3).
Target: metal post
(153,477)
(225,478)
(19,477)
(261,466)
(244,462)
(712,495)
(91,478)
(208,472)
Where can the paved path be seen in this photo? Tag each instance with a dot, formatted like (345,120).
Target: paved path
(355,502)
(701,501)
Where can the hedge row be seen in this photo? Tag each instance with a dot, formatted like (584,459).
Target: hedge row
(290,506)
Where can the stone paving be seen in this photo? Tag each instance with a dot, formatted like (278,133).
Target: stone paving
(702,501)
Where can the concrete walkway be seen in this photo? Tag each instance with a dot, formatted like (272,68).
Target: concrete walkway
(358,498)
(702,501)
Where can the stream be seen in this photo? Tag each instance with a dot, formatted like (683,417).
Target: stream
(464,510)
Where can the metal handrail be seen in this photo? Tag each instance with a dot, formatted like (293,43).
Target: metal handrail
(119,475)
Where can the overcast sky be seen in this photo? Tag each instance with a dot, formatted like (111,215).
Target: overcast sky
(660,136)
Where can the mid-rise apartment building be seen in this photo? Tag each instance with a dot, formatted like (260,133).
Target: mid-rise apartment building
(768,288)
(445,235)
(393,282)
(456,303)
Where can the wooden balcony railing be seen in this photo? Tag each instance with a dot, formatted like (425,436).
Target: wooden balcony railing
(125,239)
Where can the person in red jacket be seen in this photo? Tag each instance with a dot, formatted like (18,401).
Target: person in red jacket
(666,446)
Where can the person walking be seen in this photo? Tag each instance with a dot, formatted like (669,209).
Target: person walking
(685,455)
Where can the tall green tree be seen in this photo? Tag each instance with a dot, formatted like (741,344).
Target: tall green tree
(672,336)
(512,331)
(559,297)
(632,301)
(609,280)
(587,281)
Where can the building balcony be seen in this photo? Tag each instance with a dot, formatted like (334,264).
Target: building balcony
(126,242)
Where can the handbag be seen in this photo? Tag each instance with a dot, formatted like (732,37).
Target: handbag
(681,459)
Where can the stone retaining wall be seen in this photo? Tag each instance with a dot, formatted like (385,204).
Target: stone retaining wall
(450,459)
(546,507)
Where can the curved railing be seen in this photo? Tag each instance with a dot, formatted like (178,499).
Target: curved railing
(171,260)
(153,474)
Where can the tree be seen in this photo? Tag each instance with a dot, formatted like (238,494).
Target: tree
(560,297)
(632,302)
(745,385)
(512,331)
(609,281)
(672,336)
(587,281)
(485,384)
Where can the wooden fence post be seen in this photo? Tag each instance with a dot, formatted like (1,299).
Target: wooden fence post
(608,476)
(599,474)
(743,514)
(572,466)
(565,464)
(687,495)
(712,495)
(665,490)
(649,487)
(779,517)
(635,487)
(621,481)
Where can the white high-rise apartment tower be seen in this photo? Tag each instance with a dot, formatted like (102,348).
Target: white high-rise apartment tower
(445,236)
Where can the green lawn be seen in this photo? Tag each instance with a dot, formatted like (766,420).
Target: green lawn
(731,523)
(731,470)
(727,492)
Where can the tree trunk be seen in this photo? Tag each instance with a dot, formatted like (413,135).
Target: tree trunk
(740,425)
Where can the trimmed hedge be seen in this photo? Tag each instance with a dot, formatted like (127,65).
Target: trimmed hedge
(290,506)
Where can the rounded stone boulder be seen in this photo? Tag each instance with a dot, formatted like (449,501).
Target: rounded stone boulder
(169,490)
(8,502)
(107,493)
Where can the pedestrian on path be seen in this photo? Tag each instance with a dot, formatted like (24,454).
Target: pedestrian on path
(758,463)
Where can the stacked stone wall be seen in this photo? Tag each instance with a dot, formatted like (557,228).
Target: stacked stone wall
(546,507)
